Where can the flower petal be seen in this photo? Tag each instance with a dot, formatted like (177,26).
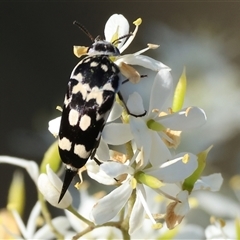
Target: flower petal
(187,118)
(110,205)
(161,89)
(50,186)
(143,61)
(150,46)
(31,224)
(159,151)
(30,166)
(177,210)
(138,212)
(54,126)
(116,24)
(94,172)
(114,169)
(213,232)
(135,104)
(20,224)
(116,133)
(60,223)
(130,39)
(175,170)
(212,183)
(115,112)
(141,135)
(103,151)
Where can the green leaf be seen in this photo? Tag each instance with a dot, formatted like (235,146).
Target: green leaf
(189,182)
(180,92)
(16,194)
(237,226)
(52,158)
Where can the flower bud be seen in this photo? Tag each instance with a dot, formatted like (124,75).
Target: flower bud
(50,185)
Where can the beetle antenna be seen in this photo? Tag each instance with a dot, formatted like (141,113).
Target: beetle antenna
(84,30)
(116,41)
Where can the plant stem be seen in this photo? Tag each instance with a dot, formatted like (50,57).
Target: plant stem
(78,235)
(74,212)
(47,216)
(126,235)
(125,223)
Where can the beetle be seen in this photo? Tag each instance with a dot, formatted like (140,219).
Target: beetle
(91,91)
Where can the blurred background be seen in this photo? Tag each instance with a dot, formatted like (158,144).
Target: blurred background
(36,59)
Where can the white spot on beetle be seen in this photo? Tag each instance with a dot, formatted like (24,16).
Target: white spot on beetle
(94,64)
(80,88)
(85,122)
(96,94)
(79,77)
(64,144)
(80,150)
(73,117)
(68,166)
(104,67)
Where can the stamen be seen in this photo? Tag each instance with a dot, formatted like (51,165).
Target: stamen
(128,42)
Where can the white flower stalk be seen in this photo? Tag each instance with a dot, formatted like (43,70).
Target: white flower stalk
(50,186)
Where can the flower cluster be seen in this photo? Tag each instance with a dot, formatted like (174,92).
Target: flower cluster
(138,154)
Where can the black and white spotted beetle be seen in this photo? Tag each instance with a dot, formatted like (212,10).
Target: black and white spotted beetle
(90,96)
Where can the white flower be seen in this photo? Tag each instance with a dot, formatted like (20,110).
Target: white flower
(110,205)
(50,185)
(86,202)
(118,26)
(220,229)
(177,210)
(30,166)
(45,232)
(148,131)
